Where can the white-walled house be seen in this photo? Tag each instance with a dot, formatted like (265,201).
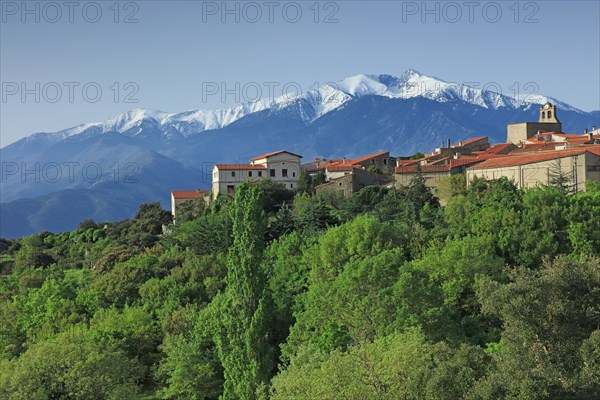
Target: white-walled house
(280,166)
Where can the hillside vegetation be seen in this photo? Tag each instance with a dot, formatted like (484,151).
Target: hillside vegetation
(271,295)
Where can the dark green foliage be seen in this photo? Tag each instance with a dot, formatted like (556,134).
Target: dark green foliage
(33,253)
(305,183)
(87,224)
(190,210)
(319,179)
(274,195)
(417,156)
(419,194)
(151,217)
(281,223)
(314,214)
(453,185)
(561,178)
(550,318)
(208,234)
(583,223)
(385,295)
(365,200)
(374,169)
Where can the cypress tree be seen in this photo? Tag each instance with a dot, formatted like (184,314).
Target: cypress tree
(242,339)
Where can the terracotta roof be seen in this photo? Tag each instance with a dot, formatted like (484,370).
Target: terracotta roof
(273,154)
(340,161)
(237,167)
(365,158)
(568,138)
(500,148)
(406,162)
(564,135)
(187,194)
(537,147)
(522,159)
(469,141)
(451,163)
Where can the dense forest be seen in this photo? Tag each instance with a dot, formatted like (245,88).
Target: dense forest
(280,295)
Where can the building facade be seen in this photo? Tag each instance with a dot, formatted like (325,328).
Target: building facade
(179,197)
(352,181)
(530,170)
(548,122)
(281,167)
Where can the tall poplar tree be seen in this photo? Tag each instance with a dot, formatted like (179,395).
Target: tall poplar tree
(242,338)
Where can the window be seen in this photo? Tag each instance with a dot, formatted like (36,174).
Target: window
(543,114)
(250,174)
(294,174)
(272,173)
(385,161)
(291,185)
(259,174)
(232,173)
(284,173)
(230,189)
(549,114)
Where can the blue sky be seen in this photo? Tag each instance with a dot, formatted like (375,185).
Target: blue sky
(165,54)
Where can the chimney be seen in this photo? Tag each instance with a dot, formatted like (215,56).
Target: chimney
(590,135)
(449,143)
(442,144)
(585,131)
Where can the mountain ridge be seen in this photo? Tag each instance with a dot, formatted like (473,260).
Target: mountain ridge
(363,115)
(323,100)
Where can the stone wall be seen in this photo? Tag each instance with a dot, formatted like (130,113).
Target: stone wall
(515,133)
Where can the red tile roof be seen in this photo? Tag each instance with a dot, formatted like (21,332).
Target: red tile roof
(187,194)
(450,164)
(340,167)
(538,147)
(366,158)
(500,148)
(469,141)
(563,135)
(324,167)
(237,167)
(406,162)
(522,159)
(273,154)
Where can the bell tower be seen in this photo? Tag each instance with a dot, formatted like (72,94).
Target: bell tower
(548,113)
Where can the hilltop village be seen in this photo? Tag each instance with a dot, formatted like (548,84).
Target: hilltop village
(533,152)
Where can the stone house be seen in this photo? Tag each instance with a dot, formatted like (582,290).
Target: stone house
(348,180)
(531,169)
(179,197)
(548,122)
(433,173)
(382,160)
(280,166)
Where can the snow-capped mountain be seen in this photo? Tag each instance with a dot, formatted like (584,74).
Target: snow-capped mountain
(143,154)
(313,105)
